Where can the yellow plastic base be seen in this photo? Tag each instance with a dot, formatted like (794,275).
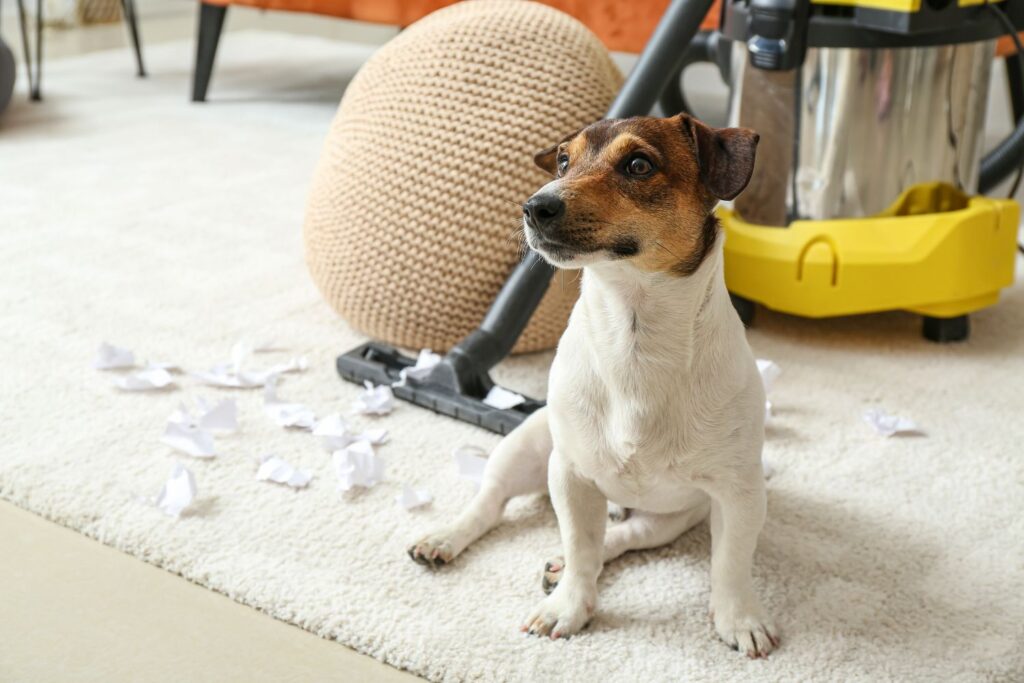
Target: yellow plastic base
(934,252)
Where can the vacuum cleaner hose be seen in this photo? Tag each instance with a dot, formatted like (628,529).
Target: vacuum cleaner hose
(679,26)
(703,48)
(1008,156)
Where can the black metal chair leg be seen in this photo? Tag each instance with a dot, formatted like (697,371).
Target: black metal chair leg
(211,21)
(33,85)
(37,94)
(131,18)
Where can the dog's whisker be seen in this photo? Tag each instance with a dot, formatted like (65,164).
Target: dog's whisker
(666,249)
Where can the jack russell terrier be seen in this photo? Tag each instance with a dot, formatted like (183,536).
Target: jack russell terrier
(654,402)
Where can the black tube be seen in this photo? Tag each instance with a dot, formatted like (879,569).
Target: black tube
(1008,156)
(1015,84)
(660,59)
(703,48)
(1002,161)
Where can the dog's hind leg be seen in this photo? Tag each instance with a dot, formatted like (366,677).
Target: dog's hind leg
(517,466)
(641,530)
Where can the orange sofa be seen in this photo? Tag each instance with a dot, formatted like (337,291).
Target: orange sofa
(622,25)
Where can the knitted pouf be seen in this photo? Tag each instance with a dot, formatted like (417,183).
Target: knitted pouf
(413,219)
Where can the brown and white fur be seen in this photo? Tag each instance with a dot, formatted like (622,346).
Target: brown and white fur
(654,402)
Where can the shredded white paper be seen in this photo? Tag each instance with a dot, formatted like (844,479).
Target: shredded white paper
(283,413)
(235,373)
(178,492)
(374,400)
(425,362)
(889,425)
(110,357)
(219,417)
(502,399)
(358,465)
(335,433)
(189,439)
(147,379)
(411,498)
(273,468)
(224,375)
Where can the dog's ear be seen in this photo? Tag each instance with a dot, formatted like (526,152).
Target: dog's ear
(547,159)
(725,156)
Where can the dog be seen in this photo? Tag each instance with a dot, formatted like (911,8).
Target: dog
(655,402)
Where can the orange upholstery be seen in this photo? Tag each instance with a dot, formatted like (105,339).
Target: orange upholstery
(623,25)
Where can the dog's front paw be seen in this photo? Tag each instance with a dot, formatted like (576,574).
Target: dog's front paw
(746,628)
(563,613)
(434,550)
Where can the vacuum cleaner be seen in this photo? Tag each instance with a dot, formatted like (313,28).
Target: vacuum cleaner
(864,196)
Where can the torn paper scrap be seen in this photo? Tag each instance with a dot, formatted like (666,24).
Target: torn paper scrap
(224,375)
(147,379)
(889,425)
(178,492)
(502,399)
(374,400)
(110,357)
(411,498)
(335,433)
(219,417)
(286,414)
(189,439)
(273,468)
(470,462)
(358,465)
(425,363)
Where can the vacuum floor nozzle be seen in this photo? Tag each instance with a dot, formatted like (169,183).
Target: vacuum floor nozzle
(382,364)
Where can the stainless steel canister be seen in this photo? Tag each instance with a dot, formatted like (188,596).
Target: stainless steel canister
(846,133)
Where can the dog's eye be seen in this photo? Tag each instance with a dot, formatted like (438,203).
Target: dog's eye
(639,166)
(563,163)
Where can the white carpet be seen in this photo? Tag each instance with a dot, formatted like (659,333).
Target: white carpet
(129,215)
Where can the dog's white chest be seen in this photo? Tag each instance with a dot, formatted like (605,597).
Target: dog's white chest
(632,449)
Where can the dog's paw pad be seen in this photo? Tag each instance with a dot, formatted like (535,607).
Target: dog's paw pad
(552,573)
(432,552)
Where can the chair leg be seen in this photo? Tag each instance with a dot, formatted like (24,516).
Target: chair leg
(38,94)
(132,19)
(34,74)
(211,21)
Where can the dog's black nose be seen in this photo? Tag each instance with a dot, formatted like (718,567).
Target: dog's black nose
(544,210)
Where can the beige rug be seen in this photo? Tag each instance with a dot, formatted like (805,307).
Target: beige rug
(128,215)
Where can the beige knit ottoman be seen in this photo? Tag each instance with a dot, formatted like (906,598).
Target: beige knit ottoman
(413,220)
